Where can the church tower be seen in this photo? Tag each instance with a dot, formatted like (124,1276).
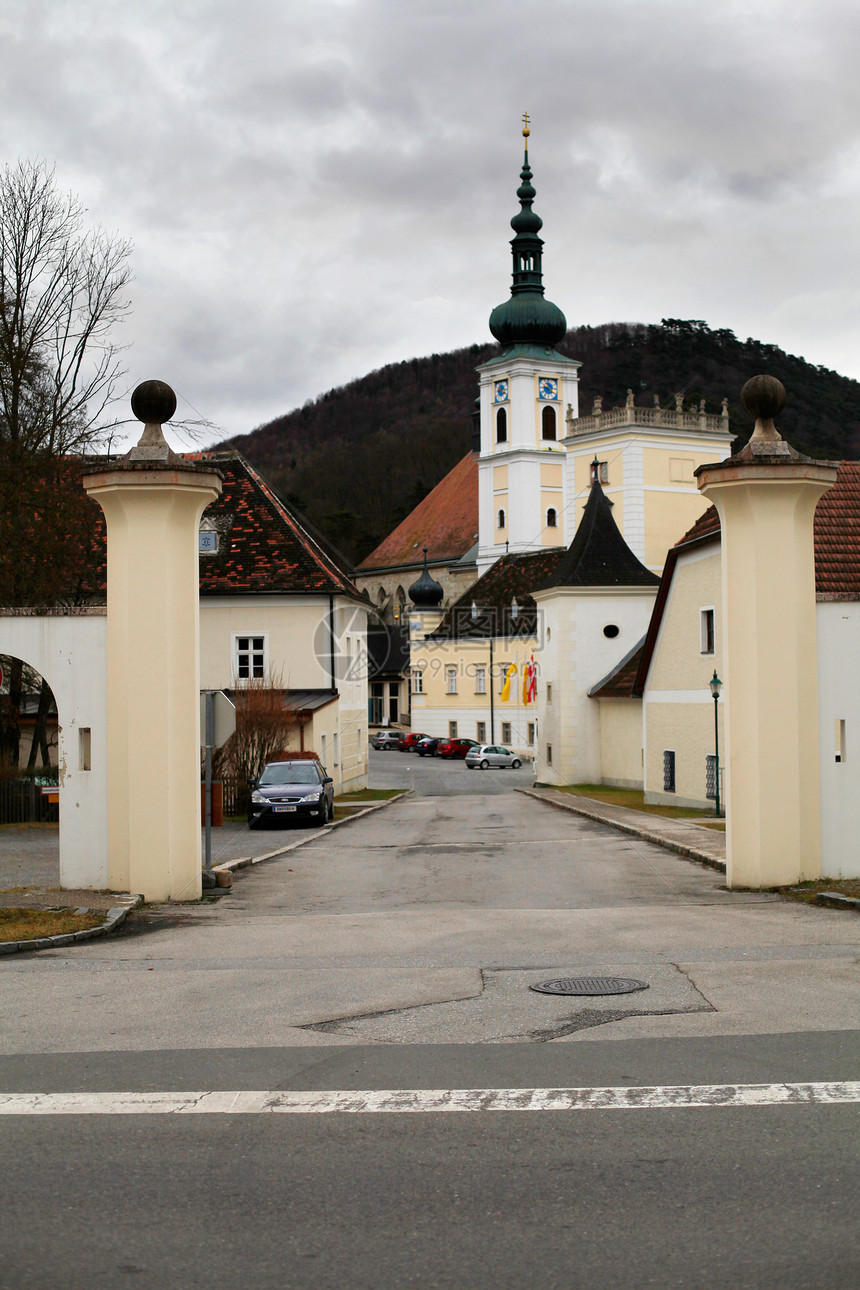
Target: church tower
(525,393)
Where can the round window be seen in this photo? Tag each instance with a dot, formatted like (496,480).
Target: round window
(611,630)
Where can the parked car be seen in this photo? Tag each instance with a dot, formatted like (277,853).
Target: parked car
(455,747)
(427,747)
(291,789)
(408,742)
(386,739)
(487,755)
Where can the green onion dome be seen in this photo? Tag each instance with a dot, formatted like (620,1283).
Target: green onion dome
(527,318)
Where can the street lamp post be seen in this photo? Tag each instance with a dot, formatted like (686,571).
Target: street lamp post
(477,616)
(716,686)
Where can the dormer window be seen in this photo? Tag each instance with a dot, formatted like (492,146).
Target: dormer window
(207,541)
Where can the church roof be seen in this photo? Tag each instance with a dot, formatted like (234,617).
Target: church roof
(598,556)
(512,577)
(446,522)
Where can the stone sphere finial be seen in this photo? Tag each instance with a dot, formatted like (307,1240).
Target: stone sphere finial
(764,398)
(153,402)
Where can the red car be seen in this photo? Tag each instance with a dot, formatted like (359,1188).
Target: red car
(454,747)
(408,742)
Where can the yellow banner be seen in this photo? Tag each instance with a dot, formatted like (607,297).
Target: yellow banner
(506,688)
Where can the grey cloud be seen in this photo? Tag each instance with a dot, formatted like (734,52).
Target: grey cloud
(315,189)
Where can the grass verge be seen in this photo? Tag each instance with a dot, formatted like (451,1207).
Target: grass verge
(634,799)
(808,891)
(30,924)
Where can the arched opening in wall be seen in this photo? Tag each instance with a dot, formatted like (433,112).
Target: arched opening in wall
(29,792)
(548,423)
(551,518)
(399,605)
(500,520)
(501,426)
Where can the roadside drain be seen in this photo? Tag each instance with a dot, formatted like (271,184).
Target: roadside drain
(509,1009)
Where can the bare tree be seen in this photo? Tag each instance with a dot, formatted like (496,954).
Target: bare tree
(62,290)
(264,726)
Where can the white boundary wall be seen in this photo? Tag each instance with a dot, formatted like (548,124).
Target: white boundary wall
(838,624)
(69,649)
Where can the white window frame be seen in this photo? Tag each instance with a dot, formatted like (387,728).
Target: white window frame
(250,651)
(418,680)
(452,729)
(480,679)
(450,680)
(703,630)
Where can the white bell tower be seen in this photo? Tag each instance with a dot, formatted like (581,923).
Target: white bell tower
(525,395)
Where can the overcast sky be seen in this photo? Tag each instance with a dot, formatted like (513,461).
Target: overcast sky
(315,188)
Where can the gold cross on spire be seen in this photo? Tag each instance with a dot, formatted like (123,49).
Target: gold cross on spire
(526,130)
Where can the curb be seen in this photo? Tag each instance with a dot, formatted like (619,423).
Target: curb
(837,901)
(245,862)
(658,839)
(115,917)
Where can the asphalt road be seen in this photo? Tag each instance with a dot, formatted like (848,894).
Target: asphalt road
(396,953)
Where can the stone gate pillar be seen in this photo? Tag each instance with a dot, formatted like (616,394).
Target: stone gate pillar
(152,501)
(766,497)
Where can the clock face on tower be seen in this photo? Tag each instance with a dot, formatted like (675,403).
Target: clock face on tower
(547,388)
(501,391)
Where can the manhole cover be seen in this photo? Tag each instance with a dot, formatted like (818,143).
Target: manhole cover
(590,985)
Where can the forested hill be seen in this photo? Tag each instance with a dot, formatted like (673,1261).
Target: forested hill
(359,458)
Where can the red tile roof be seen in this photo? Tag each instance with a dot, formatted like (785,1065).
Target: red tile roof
(706,525)
(837,537)
(446,522)
(620,683)
(265,547)
(837,553)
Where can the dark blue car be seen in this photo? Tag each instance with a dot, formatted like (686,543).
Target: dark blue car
(291,790)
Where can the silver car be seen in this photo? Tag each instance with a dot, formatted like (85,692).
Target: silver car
(386,739)
(486,755)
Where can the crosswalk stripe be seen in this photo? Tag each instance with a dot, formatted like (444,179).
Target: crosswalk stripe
(409,1100)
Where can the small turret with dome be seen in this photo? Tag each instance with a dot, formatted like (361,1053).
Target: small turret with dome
(426,592)
(527,318)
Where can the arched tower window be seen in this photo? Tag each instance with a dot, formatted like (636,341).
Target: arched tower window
(551,518)
(501,520)
(548,423)
(501,426)
(399,605)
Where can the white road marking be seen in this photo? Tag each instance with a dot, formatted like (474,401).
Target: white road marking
(239,1102)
